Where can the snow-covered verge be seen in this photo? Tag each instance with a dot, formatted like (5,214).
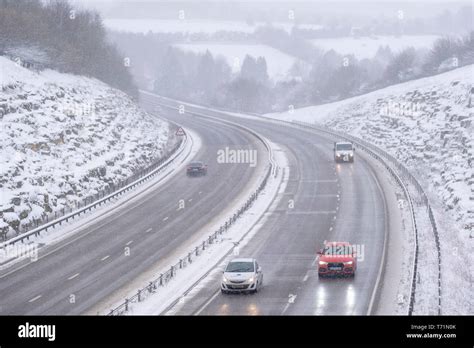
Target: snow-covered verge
(427,125)
(64,138)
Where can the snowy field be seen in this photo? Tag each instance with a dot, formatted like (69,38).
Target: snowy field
(428,125)
(366,47)
(64,138)
(278,63)
(192,26)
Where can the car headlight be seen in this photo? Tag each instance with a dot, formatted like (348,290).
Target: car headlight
(348,263)
(224,279)
(321,263)
(251,279)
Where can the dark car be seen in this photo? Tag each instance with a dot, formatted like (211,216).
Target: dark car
(196,169)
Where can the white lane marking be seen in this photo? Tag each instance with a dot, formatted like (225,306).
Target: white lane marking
(129,242)
(149,230)
(34,298)
(190,200)
(314,261)
(105,258)
(312,212)
(207,303)
(330,228)
(166,218)
(200,192)
(291,299)
(73,276)
(306,277)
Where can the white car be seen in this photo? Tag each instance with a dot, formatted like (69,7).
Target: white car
(242,275)
(344,152)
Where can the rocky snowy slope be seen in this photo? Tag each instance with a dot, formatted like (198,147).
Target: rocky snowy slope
(63,138)
(428,124)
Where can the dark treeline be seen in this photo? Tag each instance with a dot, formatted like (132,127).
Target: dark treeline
(74,40)
(205,79)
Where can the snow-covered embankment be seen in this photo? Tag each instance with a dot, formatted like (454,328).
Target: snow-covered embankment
(65,137)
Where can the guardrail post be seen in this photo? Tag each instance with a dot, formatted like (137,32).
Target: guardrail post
(189,258)
(126,305)
(180,263)
(171,271)
(139,293)
(161,279)
(197,251)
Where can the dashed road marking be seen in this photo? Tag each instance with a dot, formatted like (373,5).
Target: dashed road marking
(207,303)
(149,230)
(105,258)
(190,200)
(306,277)
(129,242)
(291,299)
(285,308)
(73,276)
(34,298)
(166,218)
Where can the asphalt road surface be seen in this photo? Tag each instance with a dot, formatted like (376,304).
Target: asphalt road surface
(333,202)
(76,274)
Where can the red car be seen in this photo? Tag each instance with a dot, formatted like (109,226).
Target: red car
(337,259)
